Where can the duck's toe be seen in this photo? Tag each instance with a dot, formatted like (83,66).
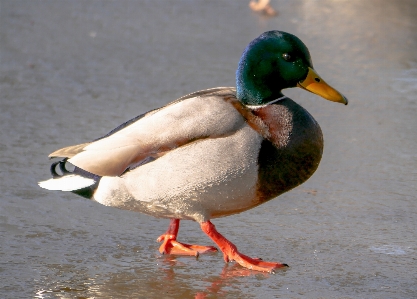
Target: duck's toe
(256,263)
(172,246)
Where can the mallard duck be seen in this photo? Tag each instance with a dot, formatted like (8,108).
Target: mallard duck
(209,154)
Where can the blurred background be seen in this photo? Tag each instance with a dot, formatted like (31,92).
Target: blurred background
(70,71)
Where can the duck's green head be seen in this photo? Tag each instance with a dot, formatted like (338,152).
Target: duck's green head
(274,61)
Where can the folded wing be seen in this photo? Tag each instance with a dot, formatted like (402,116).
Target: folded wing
(205,114)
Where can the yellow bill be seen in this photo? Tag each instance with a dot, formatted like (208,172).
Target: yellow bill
(315,84)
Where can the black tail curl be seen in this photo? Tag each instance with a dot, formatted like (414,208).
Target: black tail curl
(86,192)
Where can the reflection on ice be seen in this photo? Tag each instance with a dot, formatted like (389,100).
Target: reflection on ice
(390,249)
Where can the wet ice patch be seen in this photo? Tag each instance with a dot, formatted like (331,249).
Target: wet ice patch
(406,83)
(390,249)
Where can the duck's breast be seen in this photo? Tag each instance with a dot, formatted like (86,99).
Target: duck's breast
(293,151)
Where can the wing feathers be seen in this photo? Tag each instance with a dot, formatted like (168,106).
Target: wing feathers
(69,151)
(200,115)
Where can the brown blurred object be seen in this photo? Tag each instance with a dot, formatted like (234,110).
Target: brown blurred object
(263,6)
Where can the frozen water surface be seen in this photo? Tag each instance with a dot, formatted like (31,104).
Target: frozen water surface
(70,71)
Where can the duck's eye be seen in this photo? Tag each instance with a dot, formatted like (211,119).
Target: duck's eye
(286,56)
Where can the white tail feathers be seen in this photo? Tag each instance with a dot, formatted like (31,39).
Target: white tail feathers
(67,183)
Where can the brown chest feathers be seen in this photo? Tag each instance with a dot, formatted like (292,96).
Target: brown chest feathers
(292,151)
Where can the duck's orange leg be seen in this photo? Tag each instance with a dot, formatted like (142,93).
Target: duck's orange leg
(170,244)
(230,252)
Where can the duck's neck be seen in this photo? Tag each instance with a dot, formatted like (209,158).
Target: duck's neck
(251,106)
(256,90)
(256,96)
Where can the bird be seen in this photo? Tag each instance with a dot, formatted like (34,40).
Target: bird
(209,154)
